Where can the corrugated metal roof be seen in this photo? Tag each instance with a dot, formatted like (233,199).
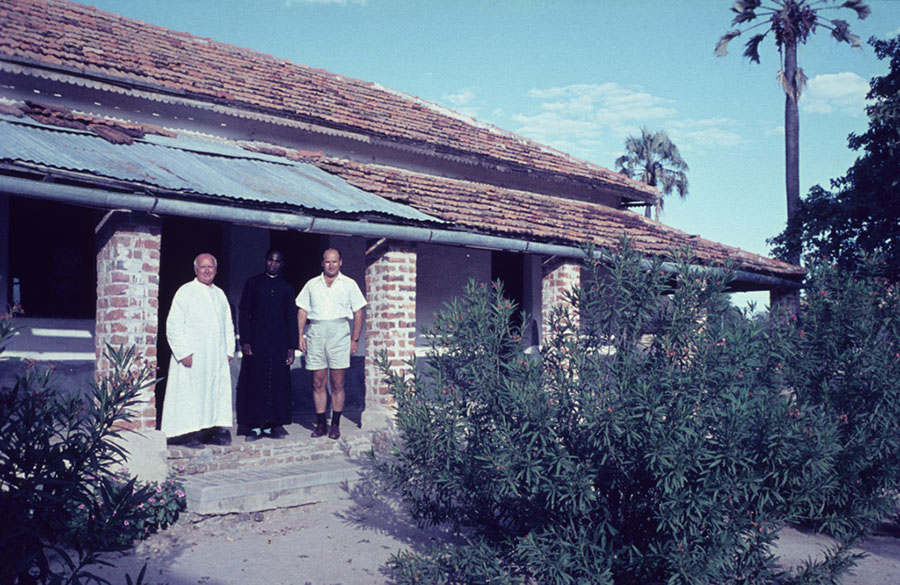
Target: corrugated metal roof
(194,166)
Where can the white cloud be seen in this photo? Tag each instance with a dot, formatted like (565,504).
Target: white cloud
(704,133)
(835,92)
(894,33)
(592,121)
(461,102)
(461,98)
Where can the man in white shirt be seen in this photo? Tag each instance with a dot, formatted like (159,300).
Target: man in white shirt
(327,303)
(201,334)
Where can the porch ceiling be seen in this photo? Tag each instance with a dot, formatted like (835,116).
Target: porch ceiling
(195,166)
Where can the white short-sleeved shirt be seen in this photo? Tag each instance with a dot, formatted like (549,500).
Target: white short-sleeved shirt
(338,301)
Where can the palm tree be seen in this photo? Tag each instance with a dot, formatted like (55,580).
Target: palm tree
(792,22)
(653,159)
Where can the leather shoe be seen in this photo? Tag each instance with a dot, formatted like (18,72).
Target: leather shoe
(335,432)
(319,431)
(278,432)
(222,438)
(253,436)
(190,440)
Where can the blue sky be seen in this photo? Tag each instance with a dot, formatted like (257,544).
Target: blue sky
(581,75)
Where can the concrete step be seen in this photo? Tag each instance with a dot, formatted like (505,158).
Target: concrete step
(254,489)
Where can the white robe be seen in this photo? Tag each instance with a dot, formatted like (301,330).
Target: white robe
(199,324)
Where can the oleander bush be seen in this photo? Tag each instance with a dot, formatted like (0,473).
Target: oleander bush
(845,360)
(656,438)
(61,501)
(160,509)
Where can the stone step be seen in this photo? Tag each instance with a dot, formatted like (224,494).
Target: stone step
(254,489)
(297,447)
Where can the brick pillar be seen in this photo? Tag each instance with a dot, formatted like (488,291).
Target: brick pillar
(390,315)
(558,276)
(128,256)
(785,301)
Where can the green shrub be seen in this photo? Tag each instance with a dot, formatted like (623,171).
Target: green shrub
(60,501)
(164,502)
(653,440)
(846,360)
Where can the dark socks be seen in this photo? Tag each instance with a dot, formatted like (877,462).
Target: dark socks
(320,418)
(335,418)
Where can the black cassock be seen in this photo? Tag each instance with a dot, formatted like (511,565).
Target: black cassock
(268,322)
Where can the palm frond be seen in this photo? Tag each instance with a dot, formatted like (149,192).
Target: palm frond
(841,33)
(722,45)
(861,8)
(752,47)
(800,80)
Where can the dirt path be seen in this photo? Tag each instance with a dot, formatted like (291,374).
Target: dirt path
(348,539)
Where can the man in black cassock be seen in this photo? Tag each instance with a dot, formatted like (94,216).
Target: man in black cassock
(269,336)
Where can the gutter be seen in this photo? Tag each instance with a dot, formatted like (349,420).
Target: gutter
(150,203)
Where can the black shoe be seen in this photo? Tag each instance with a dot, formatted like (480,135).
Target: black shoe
(319,431)
(335,432)
(253,435)
(189,440)
(278,432)
(221,438)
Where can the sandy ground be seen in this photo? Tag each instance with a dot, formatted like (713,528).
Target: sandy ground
(348,539)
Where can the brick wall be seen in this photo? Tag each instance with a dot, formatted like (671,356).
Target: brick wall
(128,246)
(390,315)
(557,278)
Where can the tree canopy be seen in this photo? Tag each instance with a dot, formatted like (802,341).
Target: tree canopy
(791,22)
(860,215)
(654,159)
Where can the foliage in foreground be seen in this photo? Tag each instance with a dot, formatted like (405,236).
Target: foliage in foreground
(61,501)
(161,509)
(615,456)
(845,359)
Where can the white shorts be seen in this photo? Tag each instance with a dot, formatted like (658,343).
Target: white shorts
(328,345)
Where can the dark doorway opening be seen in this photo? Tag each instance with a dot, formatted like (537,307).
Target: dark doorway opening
(509,268)
(52,264)
(302,255)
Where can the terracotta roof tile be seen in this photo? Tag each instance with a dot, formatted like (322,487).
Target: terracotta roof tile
(491,209)
(57,32)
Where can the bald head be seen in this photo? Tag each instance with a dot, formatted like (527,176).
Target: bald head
(205,266)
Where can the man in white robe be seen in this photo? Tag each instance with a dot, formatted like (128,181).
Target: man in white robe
(200,332)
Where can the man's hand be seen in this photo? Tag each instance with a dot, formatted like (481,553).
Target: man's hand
(245,349)
(354,345)
(290,356)
(187,361)
(302,343)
